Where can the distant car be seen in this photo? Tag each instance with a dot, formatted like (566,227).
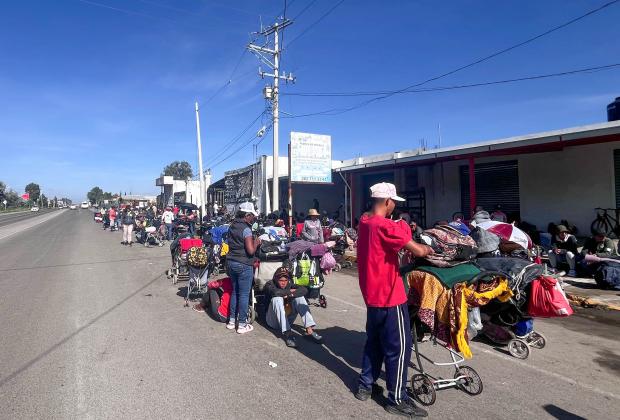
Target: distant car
(85,204)
(34,208)
(73,207)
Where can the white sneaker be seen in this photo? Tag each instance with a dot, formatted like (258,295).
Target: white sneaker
(245,329)
(230,326)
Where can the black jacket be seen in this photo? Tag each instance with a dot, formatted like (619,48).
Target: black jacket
(273,290)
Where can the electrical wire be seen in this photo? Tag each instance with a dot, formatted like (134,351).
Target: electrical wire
(478,61)
(244,145)
(235,139)
(323,16)
(304,10)
(131,12)
(338,111)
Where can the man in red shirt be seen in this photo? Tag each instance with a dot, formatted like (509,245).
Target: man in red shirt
(387,318)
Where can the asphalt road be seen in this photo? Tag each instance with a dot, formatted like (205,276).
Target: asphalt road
(92,329)
(10,218)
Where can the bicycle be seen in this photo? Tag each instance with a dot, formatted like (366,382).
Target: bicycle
(606,222)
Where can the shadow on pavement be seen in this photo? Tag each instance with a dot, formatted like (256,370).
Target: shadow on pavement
(96,319)
(609,360)
(561,414)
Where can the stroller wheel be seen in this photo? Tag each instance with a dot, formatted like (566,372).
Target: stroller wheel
(537,340)
(322,301)
(251,315)
(470,383)
(518,348)
(337,267)
(423,389)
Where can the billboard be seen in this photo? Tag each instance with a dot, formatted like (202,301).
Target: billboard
(238,185)
(311,158)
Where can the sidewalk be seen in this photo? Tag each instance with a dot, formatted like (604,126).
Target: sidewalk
(585,292)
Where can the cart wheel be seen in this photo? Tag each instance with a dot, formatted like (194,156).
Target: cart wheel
(471,383)
(322,301)
(423,389)
(518,348)
(537,340)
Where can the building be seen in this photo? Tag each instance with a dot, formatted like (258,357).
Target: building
(538,178)
(175,191)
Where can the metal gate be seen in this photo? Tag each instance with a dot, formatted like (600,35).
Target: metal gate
(496,183)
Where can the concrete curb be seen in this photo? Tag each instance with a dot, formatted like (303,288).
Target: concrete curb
(589,302)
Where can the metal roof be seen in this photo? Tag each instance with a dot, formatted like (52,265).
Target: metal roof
(564,136)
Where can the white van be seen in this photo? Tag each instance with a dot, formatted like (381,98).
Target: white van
(85,204)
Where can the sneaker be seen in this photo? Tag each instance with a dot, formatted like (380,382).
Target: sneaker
(572,273)
(314,337)
(363,394)
(405,409)
(290,341)
(245,329)
(230,326)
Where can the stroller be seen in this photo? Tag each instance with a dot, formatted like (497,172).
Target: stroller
(508,323)
(306,271)
(180,269)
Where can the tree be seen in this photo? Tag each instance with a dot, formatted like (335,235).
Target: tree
(2,187)
(179,170)
(12,198)
(44,200)
(34,190)
(55,201)
(95,195)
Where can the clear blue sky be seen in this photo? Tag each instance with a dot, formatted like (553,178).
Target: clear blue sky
(91,95)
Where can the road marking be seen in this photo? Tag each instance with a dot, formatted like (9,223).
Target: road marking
(516,361)
(22,228)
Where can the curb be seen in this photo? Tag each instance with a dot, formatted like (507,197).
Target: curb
(588,302)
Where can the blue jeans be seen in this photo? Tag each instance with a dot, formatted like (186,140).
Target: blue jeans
(241,276)
(169,227)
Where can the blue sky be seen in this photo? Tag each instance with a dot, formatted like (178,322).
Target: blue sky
(95,95)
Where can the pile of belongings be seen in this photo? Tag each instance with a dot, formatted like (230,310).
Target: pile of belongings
(440,297)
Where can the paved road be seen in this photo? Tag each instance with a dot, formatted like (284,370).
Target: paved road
(10,218)
(91,329)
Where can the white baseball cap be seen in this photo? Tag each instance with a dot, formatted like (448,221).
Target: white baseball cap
(385,190)
(248,207)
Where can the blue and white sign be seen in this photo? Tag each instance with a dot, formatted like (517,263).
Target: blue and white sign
(311,158)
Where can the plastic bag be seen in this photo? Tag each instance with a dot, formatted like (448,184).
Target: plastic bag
(547,299)
(328,262)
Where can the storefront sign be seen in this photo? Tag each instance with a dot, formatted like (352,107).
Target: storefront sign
(311,158)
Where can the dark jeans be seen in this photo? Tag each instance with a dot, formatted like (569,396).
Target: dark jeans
(241,276)
(388,341)
(169,229)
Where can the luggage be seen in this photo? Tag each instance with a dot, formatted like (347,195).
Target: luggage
(306,272)
(271,251)
(197,256)
(264,272)
(485,241)
(607,275)
(451,247)
(547,299)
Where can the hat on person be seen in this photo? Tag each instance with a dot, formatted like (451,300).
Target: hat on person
(313,212)
(247,207)
(562,228)
(385,190)
(282,272)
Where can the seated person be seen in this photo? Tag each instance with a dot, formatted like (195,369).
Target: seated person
(284,302)
(498,215)
(600,245)
(217,299)
(564,250)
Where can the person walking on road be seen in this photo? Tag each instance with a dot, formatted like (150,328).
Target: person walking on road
(112,217)
(167,217)
(240,265)
(387,318)
(127,220)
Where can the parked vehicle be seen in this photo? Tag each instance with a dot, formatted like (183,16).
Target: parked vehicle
(34,208)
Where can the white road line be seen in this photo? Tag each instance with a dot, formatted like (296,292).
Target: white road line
(516,361)
(28,223)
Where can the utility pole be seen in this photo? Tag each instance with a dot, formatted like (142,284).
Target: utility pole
(271,58)
(202,175)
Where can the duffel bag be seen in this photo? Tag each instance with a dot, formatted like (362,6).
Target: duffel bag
(547,299)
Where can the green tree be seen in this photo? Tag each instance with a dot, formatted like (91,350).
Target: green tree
(34,190)
(12,198)
(179,170)
(95,195)
(2,187)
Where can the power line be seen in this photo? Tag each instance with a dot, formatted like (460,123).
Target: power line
(304,10)
(323,16)
(384,92)
(130,12)
(481,60)
(244,145)
(235,139)
(337,111)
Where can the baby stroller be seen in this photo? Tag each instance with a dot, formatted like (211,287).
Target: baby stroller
(180,269)
(200,262)
(154,236)
(306,271)
(508,323)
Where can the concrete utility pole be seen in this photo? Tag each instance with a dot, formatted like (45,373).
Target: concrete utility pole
(271,57)
(202,175)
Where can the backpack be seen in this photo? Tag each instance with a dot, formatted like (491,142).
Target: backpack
(197,256)
(451,247)
(305,272)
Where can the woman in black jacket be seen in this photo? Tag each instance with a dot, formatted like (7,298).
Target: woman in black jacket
(284,302)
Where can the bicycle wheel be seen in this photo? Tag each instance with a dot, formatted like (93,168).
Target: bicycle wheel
(601,224)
